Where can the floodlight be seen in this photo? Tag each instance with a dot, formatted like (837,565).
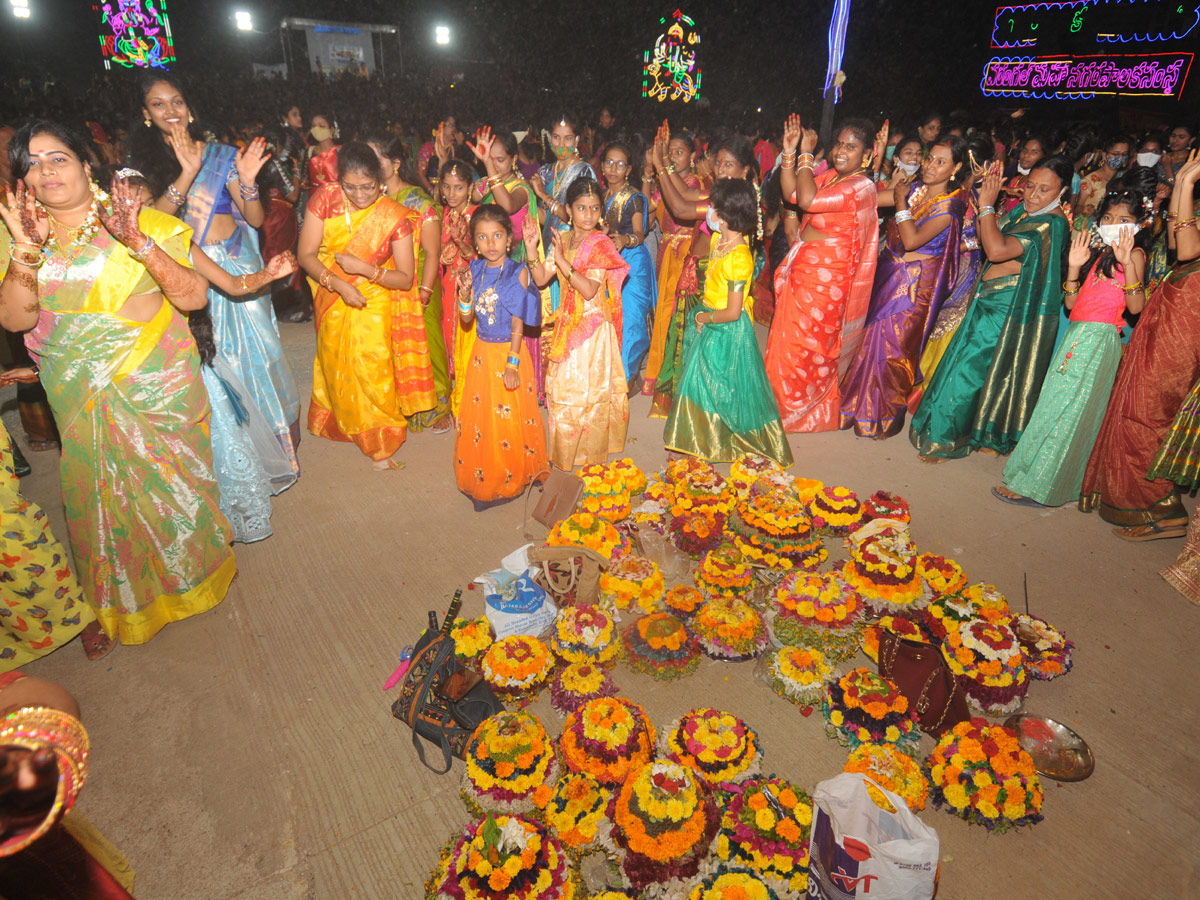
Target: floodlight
(245,22)
(441,34)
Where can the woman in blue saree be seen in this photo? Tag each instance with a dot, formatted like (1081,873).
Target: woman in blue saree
(625,213)
(196,182)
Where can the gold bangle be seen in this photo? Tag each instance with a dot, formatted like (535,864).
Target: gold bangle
(1132,288)
(42,728)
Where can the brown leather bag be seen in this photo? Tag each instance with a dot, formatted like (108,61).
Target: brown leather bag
(923,677)
(561,493)
(569,574)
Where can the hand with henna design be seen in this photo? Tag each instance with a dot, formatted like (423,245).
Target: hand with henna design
(122,222)
(24,220)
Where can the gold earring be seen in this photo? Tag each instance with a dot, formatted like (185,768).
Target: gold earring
(147,120)
(191,118)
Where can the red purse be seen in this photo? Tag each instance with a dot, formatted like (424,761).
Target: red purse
(923,677)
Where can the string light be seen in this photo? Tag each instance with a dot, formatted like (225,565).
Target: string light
(1087,77)
(837,48)
(135,34)
(670,71)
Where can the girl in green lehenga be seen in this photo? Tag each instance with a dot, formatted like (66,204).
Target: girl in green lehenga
(723,405)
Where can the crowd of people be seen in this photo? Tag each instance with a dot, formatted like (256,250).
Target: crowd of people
(993,287)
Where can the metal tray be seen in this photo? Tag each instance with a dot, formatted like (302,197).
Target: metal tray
(1057,751)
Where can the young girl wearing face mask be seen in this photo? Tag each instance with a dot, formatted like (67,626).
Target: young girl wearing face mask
(1105,274)
(906,162)
(723,405)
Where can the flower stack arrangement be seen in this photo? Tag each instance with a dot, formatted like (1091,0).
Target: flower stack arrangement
(980,773)
(883,567)
(882,505)
(683,601)
(632,477)
(891,770)
(517,667)
(989,662)
(604,492)
(659,645)
(746,471)
(946,613)
(584,634)
(724,573)
(730,630)
(632,582)
(471,638)
(664,818)
(511,765)
(862,707)
(504,857)
(732,884)
(578,813)
(943,576)
(772,527)
(836,511)
(819,611)
(1047,650)
(697,484)
(799,674)
(765,829)
(607,738)
(578,683)
(806,489)
(583,529)
(717,745)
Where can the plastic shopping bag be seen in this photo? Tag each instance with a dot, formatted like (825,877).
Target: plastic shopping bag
(525,609)
(861,851)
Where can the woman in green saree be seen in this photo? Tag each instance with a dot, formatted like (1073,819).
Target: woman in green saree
(104,288)
(985,389)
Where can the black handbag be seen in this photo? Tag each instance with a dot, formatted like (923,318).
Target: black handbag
(423,703)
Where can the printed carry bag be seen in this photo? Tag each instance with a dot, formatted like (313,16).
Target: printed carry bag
(859,850)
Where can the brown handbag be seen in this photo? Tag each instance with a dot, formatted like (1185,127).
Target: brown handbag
(561,493)
(569,574)
(924,678)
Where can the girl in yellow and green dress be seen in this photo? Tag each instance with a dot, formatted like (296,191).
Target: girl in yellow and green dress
(723,405)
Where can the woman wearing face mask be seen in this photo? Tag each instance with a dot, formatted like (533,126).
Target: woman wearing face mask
(213,189)
(1104,278)
(372,367)
(1159,367)
(323,154)
(554,178)
(823,288)
(102,289)
(985,389)
(1033,151)
(916,269)
(1094,186)
(1150,154)
(586,394)
(905,164)
(675,243)
(734,158)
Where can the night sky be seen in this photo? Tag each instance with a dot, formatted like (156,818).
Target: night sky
(901,55)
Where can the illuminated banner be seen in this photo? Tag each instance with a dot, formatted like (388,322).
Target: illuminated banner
(135,34)
(1082,78)
(1076,24)
(670,71)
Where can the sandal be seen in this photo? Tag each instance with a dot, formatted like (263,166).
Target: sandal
(933,460)
(1015,499)
(96,644)
(443,425)
(1155,531)
(388,465)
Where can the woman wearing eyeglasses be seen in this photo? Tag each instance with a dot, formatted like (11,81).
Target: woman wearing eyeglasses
(625,223)
(372,368)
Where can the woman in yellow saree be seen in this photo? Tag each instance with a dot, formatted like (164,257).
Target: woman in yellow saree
(101,286)
(372,368)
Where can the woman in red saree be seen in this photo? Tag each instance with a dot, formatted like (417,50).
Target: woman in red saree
(323,155)
(823,288)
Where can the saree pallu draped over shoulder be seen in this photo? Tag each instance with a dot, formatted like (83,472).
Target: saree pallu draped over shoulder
(372,367)
(149,541)
(987,385)
(822,292)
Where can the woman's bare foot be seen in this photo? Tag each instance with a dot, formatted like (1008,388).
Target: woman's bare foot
(932,460)
(391,464)
(96,644)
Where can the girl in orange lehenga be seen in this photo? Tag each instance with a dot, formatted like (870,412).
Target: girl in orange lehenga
(823,288)
(457,253)
(673,246)
(500,446)
(372,366)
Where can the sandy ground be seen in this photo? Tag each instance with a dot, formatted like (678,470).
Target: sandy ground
(250,753)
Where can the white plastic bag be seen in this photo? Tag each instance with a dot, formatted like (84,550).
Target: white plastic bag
(861,851)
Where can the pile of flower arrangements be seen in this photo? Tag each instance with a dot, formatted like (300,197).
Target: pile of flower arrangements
(689,813)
